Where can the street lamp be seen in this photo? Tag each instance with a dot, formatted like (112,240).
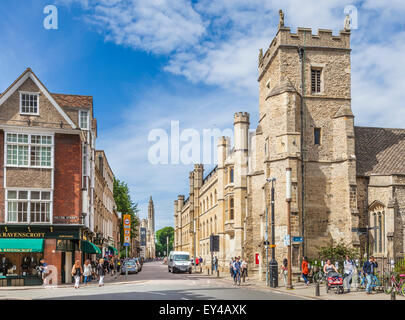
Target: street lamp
(273,263)
(288,199)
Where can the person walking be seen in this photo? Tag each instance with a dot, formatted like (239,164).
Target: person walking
(231,266)
(215,263)
(101,272)
(244,266)
(369,268)
(284,271)
(328,267)
(111,267)
(87,271)
(77,272)
(44,270)
(348,269)
(236,266)
(305,270)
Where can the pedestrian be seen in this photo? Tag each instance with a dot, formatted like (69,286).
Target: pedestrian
(44,270)
(215,263)
(231,267)
(348,269)
(305,270)
(87,271)
(284,271)
(117,266)
(329,267)
(101,272)
(236,267)
(196,261)
(77,272)
(369,269)
(200,260)
(244,267)
(112,267)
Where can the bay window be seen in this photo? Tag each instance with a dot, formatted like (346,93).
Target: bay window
(28,206)
(29,150)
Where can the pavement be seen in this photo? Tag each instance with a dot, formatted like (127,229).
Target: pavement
(300,289)
(154,282)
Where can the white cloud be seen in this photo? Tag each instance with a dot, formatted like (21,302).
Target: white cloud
(127,145)
(216,43)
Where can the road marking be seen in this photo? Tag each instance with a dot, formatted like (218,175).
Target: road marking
(163,294)
(185,298)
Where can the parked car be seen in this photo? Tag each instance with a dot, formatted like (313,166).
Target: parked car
(138,262)
(129,265)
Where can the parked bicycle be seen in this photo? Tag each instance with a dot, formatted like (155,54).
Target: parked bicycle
(398,287)
(319,276)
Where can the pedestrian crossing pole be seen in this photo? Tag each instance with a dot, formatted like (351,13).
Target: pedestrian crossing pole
(126,258)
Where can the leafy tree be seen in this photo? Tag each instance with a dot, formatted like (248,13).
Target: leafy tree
(337,253)
(126,206)
(161,240)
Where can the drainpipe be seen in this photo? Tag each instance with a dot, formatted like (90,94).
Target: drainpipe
(301,53)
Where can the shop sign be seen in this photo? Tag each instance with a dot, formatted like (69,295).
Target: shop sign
(22,235)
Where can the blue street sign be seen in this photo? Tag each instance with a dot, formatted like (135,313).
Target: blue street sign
(298,239)
(126,244)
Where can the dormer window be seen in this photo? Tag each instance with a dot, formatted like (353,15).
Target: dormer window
(29,103)
(84,119)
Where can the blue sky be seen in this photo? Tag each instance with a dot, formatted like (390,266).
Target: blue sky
(149,62)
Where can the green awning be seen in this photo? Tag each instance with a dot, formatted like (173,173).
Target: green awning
(88,247)
(21,245)
(113,249)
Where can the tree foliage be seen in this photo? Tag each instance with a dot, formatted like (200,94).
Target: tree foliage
(125,205)
(161,242)
(337,252)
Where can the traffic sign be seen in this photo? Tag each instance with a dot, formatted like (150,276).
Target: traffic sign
(287,240)
(272,246)
(127,230)
(298,239)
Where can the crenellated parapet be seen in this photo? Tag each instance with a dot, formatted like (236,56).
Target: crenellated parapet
(241,117)
(324,39)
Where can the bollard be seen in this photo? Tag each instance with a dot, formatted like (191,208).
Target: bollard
(217,273)
(393,295)
(200,269)
(317,293)
(244,277)
(299,278)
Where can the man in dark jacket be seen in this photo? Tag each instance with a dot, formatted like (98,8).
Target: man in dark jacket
(369,269)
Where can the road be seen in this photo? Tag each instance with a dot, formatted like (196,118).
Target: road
(154,282)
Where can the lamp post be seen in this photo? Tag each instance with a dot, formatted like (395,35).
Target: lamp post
(288,199)
(273,263)
(195,249)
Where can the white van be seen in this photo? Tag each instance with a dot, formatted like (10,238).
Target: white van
(179,261)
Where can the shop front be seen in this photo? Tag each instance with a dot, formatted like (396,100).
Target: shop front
(22,248)
(19,260)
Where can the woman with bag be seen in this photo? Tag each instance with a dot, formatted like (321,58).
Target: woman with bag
(101,272)
(87,272)
(77,272)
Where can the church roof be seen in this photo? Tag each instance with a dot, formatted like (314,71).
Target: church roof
(380,151)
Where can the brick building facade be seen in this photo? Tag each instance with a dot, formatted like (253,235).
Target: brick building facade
(47,152)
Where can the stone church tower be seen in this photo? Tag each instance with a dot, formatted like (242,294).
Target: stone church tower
(306,124)
(151,229)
